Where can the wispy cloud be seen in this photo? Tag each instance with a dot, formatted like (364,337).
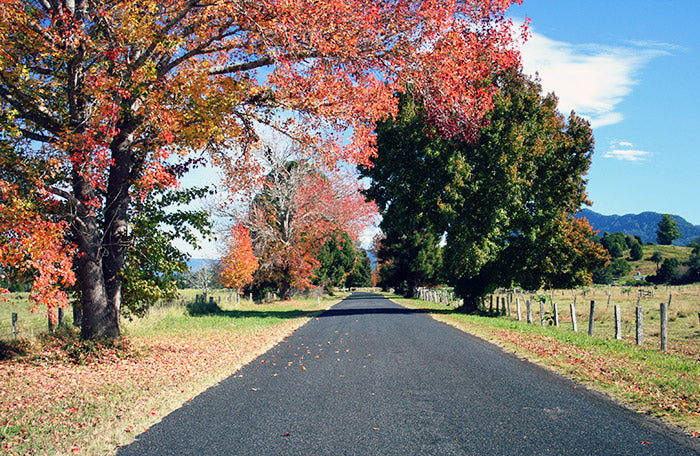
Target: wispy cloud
(589,79)
(623,150)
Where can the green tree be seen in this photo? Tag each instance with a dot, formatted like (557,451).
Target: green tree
(694,261)
(153,264)
(667,230)
(615,243)
(636,252)
(408,260)
(503,200)
(361,273)
(668,272)
(337,258)
(657,258)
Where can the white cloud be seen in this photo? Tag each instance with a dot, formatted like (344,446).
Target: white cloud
(628,155)
(589,79)
(625,144)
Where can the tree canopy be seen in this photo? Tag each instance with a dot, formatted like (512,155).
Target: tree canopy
(102,101)
(504,202)
(667,230)
(297,219)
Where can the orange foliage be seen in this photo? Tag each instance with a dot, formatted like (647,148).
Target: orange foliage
(238,263)
(35,247)
(111,93)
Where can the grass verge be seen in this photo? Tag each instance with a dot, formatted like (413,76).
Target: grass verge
(62,396)
(666,385)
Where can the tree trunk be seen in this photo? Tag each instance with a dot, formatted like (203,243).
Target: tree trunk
(471,305)
(98,319)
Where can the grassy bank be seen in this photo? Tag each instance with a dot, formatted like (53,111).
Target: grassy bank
(666,385)
(63,396)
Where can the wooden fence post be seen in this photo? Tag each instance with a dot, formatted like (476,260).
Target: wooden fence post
(510,299)
(664,325)
(15,329)
(542,312)
(491,305)
(618,323)
(504,300)
(528,304)
(640,326)
(520,317)
(50,322)
(591,315)
(572,306)
(556,315)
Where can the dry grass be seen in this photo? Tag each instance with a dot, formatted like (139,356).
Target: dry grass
(66,397)
(683,320)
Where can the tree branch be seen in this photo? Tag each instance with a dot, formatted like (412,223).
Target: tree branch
(245,66)
(37,136)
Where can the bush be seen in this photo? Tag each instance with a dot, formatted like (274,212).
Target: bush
(203,307)
(636,252)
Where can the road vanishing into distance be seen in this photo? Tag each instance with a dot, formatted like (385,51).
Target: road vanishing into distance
(369,377)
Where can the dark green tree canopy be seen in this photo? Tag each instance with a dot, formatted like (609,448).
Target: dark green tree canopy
(636,252)
(503,202)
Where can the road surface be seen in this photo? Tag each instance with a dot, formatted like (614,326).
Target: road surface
(369,377)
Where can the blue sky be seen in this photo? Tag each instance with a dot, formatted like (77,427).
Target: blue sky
(632,69)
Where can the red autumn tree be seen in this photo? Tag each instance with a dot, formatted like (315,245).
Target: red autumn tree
(105,96)
(238,263)
(298,209)
(32,245)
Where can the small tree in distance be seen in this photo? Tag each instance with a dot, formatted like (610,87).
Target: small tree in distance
(657,258)
(238,263)
(636,252)
(667,230)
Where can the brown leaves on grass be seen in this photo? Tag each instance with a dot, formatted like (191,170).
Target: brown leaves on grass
(588,365)
(51,405)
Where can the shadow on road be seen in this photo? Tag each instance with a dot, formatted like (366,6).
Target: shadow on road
(347,308)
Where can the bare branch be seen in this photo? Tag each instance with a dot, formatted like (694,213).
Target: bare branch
(37,136)
(238,67)
(23,104)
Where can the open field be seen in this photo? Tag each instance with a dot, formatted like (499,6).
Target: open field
(683,320)
(65,396)
(665,384)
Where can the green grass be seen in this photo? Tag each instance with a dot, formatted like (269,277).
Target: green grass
(30,324)
(666,384)
(230,315)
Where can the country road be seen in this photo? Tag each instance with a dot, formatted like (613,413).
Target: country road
(369,377)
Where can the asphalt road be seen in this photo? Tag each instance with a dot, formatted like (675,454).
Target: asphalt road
(371,378)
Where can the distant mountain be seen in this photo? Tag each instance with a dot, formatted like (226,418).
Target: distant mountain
(643,225)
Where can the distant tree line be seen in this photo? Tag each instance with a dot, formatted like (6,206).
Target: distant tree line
(624,248)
